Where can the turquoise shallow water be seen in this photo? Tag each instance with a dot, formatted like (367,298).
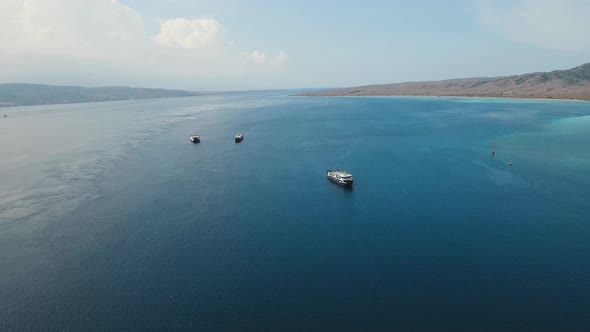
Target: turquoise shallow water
(111,219)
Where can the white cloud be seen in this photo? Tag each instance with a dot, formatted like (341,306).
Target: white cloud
(64,26)
(101,42)
(185,33)
(280,58)
(553,24)
(257,57)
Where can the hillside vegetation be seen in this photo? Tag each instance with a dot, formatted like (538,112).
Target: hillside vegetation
(559,84)
(17,94)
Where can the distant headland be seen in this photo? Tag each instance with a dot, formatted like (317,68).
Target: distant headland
(22,94)
(559,84)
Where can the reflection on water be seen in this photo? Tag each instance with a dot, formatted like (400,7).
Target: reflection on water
(111,219)
(51,155)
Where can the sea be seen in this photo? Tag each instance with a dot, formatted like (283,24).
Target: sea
(110,219)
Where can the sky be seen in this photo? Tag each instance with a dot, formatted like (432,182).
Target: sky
(210,45)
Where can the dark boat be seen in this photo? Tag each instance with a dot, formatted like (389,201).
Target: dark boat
(239,138)
(195,138)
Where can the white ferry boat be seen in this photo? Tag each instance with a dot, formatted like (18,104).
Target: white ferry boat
(342,178)
(195,138)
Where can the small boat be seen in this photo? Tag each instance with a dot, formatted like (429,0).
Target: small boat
(510,163)
(342,178)
(239,138)
(195,138)
(493,150)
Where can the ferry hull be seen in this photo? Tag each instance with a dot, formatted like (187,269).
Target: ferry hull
(340,182)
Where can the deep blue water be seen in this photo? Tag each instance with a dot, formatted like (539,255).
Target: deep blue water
(111,220)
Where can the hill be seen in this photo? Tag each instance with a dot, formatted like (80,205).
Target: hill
(19,94)
(559,84)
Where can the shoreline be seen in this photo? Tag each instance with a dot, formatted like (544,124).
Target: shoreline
(447,97)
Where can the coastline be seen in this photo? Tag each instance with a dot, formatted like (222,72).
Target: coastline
(569,84)
(446,97)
